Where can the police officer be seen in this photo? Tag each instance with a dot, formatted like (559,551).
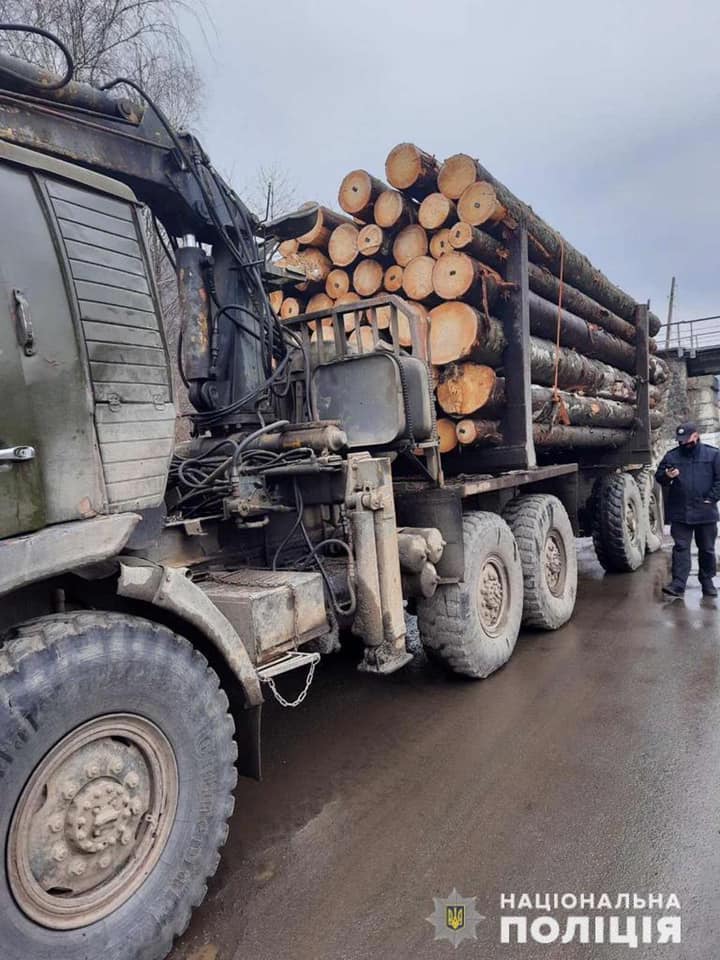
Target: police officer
(691,472)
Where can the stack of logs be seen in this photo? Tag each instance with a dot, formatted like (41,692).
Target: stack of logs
(436,235)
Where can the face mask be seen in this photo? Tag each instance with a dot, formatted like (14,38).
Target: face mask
(687,448)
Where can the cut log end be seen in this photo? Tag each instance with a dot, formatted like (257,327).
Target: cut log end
(368,278)
(471,432)
(479,204)
(440,243)
(409,168)
(349,317)
(358,193)
(454,330)
(393,279)
(320,301)
(393,210)
(417,278)
(436,211)
(291,307)
(343,245)
(371,240)
(404,333)
(276,298)
(456,175)
(337,283)
(465,388)
(454,275)
(411,242)
(447,435)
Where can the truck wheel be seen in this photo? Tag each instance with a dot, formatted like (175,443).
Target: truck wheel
(117,770)
(619,527)
(546,542)
(472,627)
(654,508)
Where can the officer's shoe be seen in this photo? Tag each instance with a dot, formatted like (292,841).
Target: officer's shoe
(671,590)
(709,589)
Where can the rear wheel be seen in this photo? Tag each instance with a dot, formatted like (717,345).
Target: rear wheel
(472,626)
(619,525)
(654,508)
(546,542)
(117,764)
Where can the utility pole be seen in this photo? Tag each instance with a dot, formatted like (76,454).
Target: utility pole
(671,304)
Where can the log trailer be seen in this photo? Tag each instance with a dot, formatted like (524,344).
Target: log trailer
(151,593)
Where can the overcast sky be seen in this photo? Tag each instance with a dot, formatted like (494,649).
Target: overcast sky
(605,117)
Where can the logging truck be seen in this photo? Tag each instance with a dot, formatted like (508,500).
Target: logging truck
(153,593)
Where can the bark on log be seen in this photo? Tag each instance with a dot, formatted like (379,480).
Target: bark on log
(358,193)
(575,332)
(479,432)
(437,211)
(343,245)
(276,298)
(411,242)
(476,243)
(546,245)
(393,279)
(393,211)
(447,435)
(319,235)
(412,170)
(337,283)
(459,277)
(459,331)
(440,243)
(368,278)
(479,204)
(542,281)
(417,278)
(373,241)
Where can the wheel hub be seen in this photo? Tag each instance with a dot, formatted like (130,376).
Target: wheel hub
(492,595)
(554,564)
(92,822)
(631,521)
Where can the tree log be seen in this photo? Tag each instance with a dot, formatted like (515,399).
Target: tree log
(479,432)
(418,278)
(465,388)
(373,241)
(575,332)
(288,247)
(337,283)
(459,277)
(358,193)
(319,236)
(320,301)
(291,307)
(459,331)
(412,170)
(368,277)
(393,211)
(411,242)
(343,245)
(476,243)
(457,174)
(437,211)
(276,298)
(314,264)
(546,245)
(447,434)
(393,279)
(479,204)
(348,318)
(440,243)
(404,335)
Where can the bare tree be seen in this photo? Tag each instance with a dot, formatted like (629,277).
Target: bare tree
(271,192)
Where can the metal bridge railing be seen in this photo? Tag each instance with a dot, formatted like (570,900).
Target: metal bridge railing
(691,335)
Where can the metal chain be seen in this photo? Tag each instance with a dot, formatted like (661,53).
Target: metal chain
(303,693)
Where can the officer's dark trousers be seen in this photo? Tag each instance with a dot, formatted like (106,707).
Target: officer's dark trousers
(682,534)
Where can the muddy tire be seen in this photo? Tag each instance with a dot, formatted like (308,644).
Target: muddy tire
(619,527)
(546,542)
(117,770)
(654,508)
(472,627)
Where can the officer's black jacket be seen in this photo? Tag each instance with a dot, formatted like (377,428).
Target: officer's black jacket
(693,495)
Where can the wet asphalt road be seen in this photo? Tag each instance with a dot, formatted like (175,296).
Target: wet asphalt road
(589,763)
